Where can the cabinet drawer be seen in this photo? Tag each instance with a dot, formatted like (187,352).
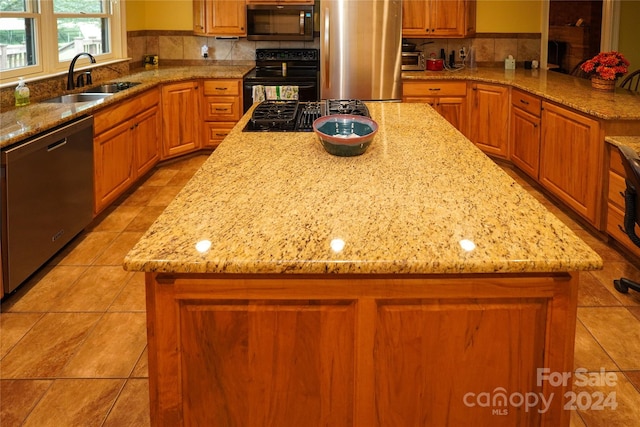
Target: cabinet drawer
(615,218)
(526,102)
(433,88)
(222,87)
(616,186)
(222,108)
(110,117)
(215,132)
(615,160)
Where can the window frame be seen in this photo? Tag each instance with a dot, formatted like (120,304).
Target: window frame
(46,40)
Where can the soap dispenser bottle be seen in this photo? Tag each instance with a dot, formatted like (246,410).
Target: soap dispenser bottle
(22,93)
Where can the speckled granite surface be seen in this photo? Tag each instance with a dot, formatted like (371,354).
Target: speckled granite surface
(631,141)
(20,123)
(278,203)
(565,90)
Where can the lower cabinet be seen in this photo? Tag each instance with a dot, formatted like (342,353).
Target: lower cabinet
(126,145)
(615,202)
(571,156)
(489,118)
(447,98)
(221,109)
(524,136)
(180,118)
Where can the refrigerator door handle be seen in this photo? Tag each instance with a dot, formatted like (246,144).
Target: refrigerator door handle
(326,48)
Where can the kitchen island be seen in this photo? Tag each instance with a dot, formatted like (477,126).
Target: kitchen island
(402,287)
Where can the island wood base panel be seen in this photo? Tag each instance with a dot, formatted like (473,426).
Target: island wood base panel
(363,351)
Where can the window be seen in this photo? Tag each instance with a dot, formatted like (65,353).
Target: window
(40,37)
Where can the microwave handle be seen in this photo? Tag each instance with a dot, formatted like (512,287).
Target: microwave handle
(302,22)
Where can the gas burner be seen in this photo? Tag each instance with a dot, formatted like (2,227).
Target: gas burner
(275,112)
(309,112)
(347,106)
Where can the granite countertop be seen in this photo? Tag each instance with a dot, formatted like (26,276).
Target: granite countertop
(20,123)
(630,141)
(566,90)
(278,203)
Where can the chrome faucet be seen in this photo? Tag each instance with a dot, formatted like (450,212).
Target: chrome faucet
(70,85)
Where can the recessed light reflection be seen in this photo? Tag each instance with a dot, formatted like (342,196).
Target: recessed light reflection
(467,245)
(203,246)
(337,245)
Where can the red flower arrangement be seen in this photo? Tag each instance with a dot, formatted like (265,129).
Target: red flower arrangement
(606,65)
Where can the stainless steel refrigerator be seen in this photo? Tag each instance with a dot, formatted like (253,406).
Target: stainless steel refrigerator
(361,49)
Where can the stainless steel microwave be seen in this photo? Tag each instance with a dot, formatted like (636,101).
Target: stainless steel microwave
(280,22)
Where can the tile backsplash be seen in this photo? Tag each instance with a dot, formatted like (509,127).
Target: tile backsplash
(183,48)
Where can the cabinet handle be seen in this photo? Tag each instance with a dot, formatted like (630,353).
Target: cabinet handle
(222,109)
(132,126)
(221,88)
(434,88)
(524,102)
(222,134)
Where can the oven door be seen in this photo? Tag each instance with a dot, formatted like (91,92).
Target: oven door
(307,91)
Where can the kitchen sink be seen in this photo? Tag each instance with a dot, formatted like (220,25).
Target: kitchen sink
(78,97)
(111,87)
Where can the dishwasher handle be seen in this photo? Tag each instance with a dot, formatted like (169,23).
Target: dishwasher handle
(56,145)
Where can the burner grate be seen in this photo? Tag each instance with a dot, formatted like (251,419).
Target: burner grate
(347,106)
(275,112)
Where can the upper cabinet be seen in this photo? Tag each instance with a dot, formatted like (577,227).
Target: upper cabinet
(219,17)
(438,18)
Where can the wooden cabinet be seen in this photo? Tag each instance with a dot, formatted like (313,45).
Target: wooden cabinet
(437,18)
(525,132)
(180,118)
(447,98)
(126,145)
(363,347)
(571,156)
(489,118)
(280,1)
(615,202)
(221,109)
(219,17)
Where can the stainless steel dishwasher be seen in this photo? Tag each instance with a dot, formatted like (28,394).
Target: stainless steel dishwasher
(47,197)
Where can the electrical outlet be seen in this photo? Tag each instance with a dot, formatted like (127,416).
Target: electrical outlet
(463,52)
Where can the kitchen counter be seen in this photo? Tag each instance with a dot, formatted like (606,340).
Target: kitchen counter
(278,201)
(557,87)
(392,287)
(20,123)
(630,141)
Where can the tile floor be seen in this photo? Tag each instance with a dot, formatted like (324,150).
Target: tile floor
(73,340)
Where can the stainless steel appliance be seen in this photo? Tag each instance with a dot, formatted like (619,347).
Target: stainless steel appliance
(360,49)
(301,69)
(413,61)
(47,197)
(280,22)
(294,116)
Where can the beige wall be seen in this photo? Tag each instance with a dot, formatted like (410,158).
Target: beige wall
(630,32)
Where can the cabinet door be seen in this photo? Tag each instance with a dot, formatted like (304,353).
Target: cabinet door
(226,17)
(146,140)
(489,122)
(525,141)
(222,108)
(113,164)
(414,18)
(180,118)
(447,18)
(215,132)
(454,110)
(571,159)
(199,17)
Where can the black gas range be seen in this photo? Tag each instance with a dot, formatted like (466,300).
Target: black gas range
(297,116)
